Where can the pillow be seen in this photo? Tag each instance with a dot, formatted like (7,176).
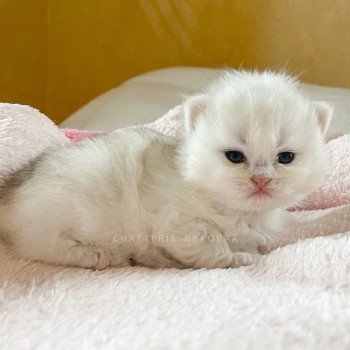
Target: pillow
(147,97)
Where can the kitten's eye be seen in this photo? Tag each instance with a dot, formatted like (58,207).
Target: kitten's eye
(235,156)
(285,157)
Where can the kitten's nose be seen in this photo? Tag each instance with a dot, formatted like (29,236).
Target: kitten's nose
(260,180)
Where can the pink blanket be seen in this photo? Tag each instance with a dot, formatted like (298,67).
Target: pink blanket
(25,132)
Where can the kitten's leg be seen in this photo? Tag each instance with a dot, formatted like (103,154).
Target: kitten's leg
(85,256)
(210,254)
(246,248)
(245,258)
(221,255)
(205,247)
(69,252)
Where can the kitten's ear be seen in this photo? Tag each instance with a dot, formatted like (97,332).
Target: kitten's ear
(324,113)
(193,108)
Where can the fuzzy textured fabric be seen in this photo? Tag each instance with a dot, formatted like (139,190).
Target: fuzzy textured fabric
(24,133)
(295,297)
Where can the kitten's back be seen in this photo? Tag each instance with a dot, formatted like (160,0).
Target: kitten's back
(96,179)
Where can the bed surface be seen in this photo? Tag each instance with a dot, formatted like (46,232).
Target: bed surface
(149,96)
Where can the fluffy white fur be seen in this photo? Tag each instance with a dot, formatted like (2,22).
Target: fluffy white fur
(137,197)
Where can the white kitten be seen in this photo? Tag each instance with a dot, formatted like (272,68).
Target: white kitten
(253,147)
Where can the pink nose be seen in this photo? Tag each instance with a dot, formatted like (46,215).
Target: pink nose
(260,180)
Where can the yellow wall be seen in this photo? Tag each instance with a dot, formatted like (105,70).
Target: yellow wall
(58,54)
(23,52)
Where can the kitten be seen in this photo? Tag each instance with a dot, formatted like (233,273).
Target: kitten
(252,147)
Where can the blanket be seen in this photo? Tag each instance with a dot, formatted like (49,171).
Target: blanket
(297,296)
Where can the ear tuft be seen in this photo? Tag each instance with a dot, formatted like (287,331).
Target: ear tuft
(324,113)
(193,108)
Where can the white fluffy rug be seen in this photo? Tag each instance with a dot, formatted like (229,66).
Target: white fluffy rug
(297,297)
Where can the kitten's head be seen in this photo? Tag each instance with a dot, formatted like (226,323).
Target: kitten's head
(254,141)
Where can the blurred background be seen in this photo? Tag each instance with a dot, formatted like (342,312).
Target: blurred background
(58,54)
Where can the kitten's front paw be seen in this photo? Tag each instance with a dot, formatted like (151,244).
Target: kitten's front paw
(103,261)
(244,259)
(93,258)
(236,260)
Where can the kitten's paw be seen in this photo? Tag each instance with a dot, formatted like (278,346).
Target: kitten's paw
(103,261)
(235,260)
(244,259)
(87,257)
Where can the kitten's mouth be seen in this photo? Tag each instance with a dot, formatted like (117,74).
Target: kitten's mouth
(260,192)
